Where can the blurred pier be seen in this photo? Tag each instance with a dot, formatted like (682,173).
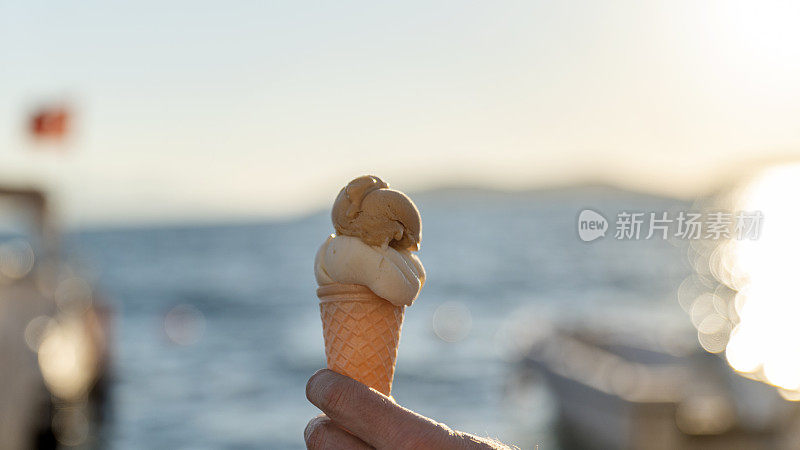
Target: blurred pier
(54,332)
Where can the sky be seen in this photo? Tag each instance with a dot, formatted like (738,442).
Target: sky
(204,111)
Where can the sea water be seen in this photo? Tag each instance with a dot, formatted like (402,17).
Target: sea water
(217,327)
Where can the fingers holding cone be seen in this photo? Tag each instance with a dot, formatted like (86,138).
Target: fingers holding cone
(371,416)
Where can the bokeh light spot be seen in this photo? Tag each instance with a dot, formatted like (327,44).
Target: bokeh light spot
(184,324)
(16,258)
(452,321)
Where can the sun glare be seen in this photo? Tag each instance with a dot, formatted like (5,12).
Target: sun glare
(763,32)
(766,340)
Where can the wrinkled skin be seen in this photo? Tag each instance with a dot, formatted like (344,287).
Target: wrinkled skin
(357,417)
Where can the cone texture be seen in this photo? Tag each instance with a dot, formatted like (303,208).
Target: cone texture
(361,332)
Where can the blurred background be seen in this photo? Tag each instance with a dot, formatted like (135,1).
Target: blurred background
(166,170)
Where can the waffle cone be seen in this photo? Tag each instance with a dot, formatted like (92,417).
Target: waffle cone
(361,332)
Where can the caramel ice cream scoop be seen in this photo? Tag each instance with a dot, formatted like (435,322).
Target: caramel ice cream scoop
(367,209)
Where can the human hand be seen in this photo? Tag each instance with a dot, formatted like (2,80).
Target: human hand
(357,417)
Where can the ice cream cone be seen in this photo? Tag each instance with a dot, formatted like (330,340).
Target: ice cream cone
(361,332)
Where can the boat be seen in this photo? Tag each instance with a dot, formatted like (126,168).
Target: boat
(634,389)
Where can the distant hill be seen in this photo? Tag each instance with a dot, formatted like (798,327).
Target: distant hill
(578,196)
(588,191)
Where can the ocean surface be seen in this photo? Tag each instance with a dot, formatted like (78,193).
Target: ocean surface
(217,328)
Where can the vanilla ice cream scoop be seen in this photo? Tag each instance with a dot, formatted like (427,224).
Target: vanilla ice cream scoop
(367,209)
(395,275)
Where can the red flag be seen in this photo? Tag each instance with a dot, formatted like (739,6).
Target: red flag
(50,123)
